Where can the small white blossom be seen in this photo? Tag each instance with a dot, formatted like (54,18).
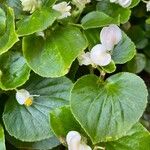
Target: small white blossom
(74,142)
(123,3)
(81,3)
(24,98)
(100,56)
(31,5)
(147,5)
(64,8)
(85,59)
(110,36)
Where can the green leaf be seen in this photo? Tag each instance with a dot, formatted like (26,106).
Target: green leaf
(53,57)
(97,19)
(108,109)
(2,21)
(62,121)
(124,51)
(134,3)
(110,68)
(14,70)
(136,139)
(92,36)
(31,123)
(38,21)
(139,36)
(114,10)
(137,64)
(9,38)
(2,139)
(41,145)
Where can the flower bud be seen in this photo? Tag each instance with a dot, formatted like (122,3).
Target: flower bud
(125,3)
(31,5)
(63,8)
(73,139)
(110,36)
(100,56)
(148,5)
(23,97)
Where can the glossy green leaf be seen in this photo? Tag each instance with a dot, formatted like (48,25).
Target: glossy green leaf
(114,10)
(108,109)
(124,51)
(2,139)
(9,38)
(136,139)
(134,3)
(110,68)
(137,64)
(62,121)
(92,36)
(38,21)
(97,19)
(53,57)
(14,70)
(40,145)
(2,21)
(31,123)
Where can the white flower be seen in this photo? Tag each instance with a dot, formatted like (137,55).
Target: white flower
(100,56)
(148,5)
(81,3)
(31,5)
(74,142)
(125,3)
(64,8)
(110,36)
(24,98)
(85,59)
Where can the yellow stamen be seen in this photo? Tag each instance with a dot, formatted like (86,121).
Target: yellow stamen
(28,101)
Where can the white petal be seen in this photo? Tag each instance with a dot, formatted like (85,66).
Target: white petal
(22,95)
(125,3)
(148,6)
(113,1)
(85,59)
(110,36)
(100,56)
(73,139)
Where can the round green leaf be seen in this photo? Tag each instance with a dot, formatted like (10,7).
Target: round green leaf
(53,57)
(9,38)
(134,140)
(31,123)
(108,109)
(39,145)
(38,21)
(114,10)
(134,3)
(137,64)
(2,139)
(124,51)
(97,19)
(14,70)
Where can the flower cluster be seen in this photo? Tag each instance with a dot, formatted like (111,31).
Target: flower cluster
(64,8)
(123,3)
(75,142)
(100,54)
(31,5)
